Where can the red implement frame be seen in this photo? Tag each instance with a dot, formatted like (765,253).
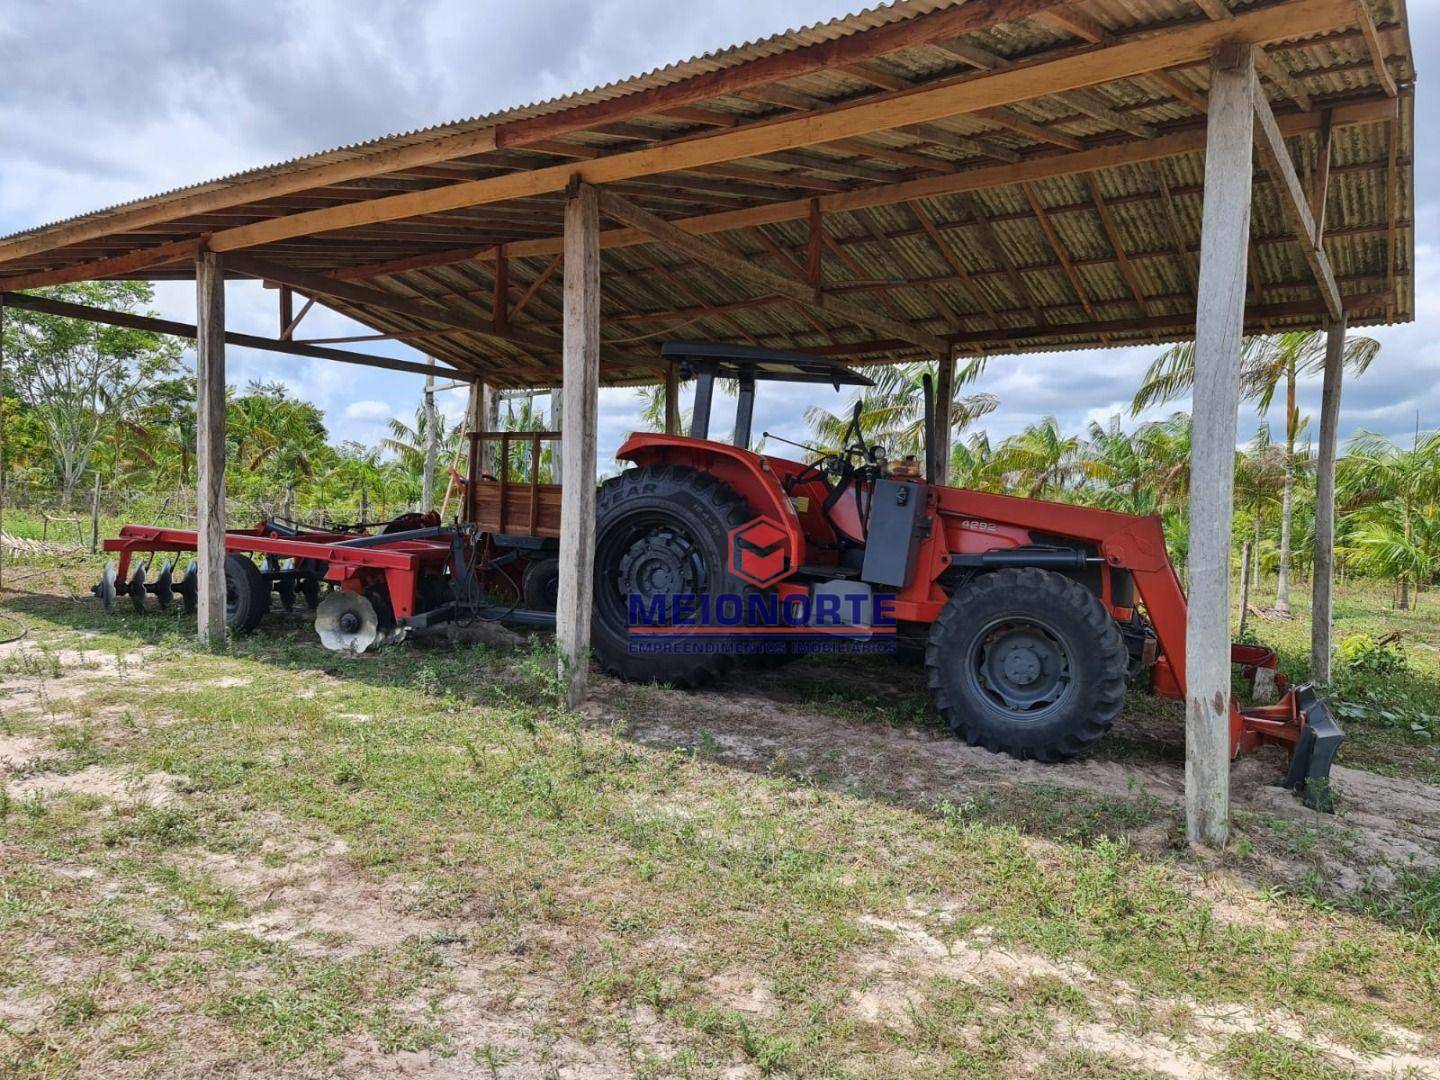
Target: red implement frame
(398,562)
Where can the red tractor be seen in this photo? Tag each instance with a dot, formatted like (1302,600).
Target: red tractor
(1033,617)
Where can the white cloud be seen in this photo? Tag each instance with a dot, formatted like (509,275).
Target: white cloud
(104,102)
(367,410)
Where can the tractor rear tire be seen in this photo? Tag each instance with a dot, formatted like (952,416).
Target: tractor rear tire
(1028,663)
(247,593)
(662,530)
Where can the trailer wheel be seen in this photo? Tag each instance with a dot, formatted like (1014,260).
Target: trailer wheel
(540,584)
(247,593)
(1027,663)
(662,530)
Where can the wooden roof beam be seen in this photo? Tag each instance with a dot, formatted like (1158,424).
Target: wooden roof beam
(670,235)
(67,310)
(922,105)
(1061,256)
(131,262)
(1271,145)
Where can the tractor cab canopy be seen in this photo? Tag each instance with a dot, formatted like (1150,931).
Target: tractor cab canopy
(705,361)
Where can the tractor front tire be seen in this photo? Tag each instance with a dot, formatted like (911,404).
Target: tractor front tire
(247,593)
(1027,663)
(663,530)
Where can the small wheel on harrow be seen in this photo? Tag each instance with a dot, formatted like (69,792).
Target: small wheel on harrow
(285,585)
(189,587)
(137,589)
(247,593)
(310,590)
(164,587)
(105,590)
(541,584)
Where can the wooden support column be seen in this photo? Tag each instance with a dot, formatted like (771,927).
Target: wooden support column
(1225,234)
(427,482)
(2,440)
(287,310)
(944,402)
(672,399)
(1324,574)
(581,392)
(210,446)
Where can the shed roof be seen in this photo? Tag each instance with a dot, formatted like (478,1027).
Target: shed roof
(1005,175)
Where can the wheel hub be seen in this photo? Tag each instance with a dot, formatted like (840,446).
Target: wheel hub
(662,563)
(1022,667)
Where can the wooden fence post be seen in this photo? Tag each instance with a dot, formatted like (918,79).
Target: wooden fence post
(1224,244)
(95,516)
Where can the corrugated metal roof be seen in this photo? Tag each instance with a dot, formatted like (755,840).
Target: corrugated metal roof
(972,265)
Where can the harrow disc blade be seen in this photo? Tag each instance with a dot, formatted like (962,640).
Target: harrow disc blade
(189,587)
(137,588)
(106,589)
(347,622)
(164,587)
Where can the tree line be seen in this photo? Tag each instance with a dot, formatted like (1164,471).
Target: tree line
(84,400)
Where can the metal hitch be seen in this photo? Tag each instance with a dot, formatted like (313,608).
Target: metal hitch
(1309,774)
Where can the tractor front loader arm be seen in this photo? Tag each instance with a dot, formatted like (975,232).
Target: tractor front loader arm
(1300,720)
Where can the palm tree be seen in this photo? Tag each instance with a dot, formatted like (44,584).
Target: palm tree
(1259,481)
(974,464)
(1266,362)
(1042,459)
(892,412)
(1393,493)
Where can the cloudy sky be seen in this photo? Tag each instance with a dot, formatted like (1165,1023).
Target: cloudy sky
(111,100)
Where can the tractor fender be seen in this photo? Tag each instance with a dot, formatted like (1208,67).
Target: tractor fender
(748,474)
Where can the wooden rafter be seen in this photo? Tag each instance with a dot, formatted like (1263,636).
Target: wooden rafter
(1117,245)
(1061,255)
(947,252)
(145,258)
(1177,232)
(1377,50)
(664,232)
(1271,145)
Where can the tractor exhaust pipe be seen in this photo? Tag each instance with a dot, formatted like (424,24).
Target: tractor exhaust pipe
(930,471)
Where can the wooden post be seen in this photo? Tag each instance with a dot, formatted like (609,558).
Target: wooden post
(581,394)
(672,399)
(1246,551)
(287,310)
(557,423)
(95,516)
(1323,577)
(944,403)
(427,482)
(1224,243)
(2,443)
(210,446)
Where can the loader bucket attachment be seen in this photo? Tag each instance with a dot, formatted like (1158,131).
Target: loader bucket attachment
(1320,737)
